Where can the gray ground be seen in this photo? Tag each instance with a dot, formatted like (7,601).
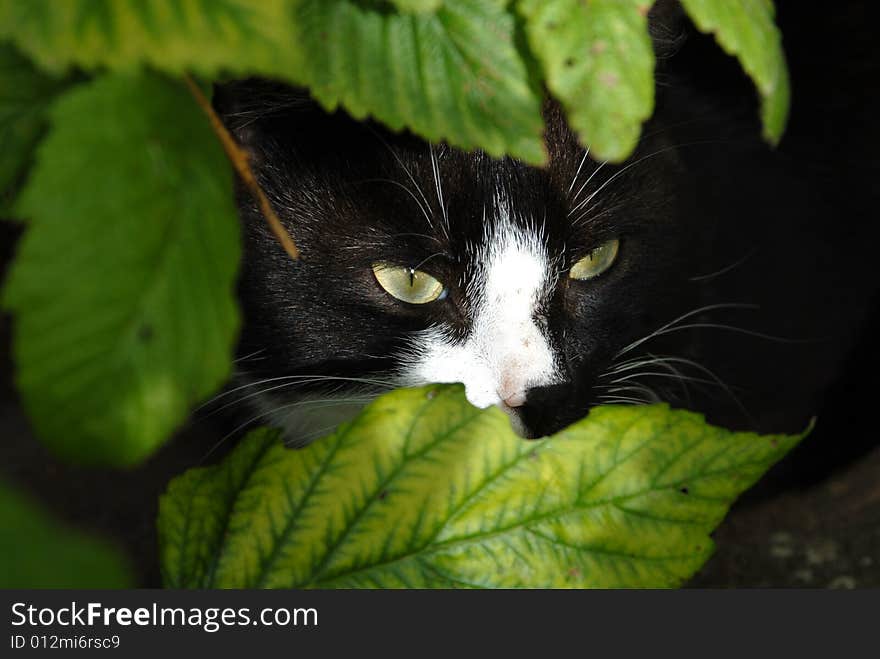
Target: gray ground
(827,536)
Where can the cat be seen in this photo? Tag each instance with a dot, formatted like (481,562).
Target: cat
(790,232)
(422,263)
(694,273)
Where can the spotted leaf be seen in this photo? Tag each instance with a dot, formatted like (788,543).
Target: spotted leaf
(423,490)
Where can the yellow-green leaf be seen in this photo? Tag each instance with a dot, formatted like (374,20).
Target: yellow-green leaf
(424,490)
(598,61)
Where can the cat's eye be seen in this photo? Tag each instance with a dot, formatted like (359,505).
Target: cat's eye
(407,284)
(596,262)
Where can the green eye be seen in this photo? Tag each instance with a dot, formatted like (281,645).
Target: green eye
(408,285)
(596,262)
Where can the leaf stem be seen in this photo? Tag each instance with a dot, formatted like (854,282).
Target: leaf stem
(239,157)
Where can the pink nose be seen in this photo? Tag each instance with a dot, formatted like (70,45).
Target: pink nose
(517,399)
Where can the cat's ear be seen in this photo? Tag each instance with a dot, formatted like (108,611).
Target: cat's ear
(667,26)
(244,105)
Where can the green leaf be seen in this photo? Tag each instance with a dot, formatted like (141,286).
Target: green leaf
(451,74)
(424,490)
(123,284)
(38,552)
(746,29)
(24,96)
(202,36)
(454,75)
(598,61)
(417,6)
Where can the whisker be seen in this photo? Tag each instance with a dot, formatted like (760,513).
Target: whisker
(309,437)
(267,413)
(726,269)
(620,172)
(585,184)
(652,395)
(638,362)
(302,440)
(684,384)
(416,235)
(308,379)
(656,374)
(617,400)
(435,166)
(404,168)
(285,385)
(424,261)
(228,392)
(252,356)
(689,314)
(408,191)
(586,214)
(578,172)
(715,379)
(739,330)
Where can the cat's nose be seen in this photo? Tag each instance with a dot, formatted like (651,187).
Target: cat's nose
(511,387)
(512,399)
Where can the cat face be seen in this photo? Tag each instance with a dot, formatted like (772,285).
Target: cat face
(422,263)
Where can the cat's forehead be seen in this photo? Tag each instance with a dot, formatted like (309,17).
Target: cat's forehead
(336,180)
(468,201)
(471,211)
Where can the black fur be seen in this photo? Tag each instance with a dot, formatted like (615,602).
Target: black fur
(701,193)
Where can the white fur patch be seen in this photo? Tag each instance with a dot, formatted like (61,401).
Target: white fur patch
(310,417)
(506,352)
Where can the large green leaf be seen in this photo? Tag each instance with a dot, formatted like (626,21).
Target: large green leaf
(417,6)
(205,36)
(24,96)
(424,490)
(451,71)
(123,284)
(746,29)
(455,74)
(38,552)
(598,61)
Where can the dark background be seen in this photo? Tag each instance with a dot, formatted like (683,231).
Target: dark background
(815,521)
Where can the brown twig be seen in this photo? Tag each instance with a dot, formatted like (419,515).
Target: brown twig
(239,157)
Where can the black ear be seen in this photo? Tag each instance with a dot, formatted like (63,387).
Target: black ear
(666,24)
(246,105)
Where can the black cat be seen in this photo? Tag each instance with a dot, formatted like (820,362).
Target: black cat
(706,215)
(708,270)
